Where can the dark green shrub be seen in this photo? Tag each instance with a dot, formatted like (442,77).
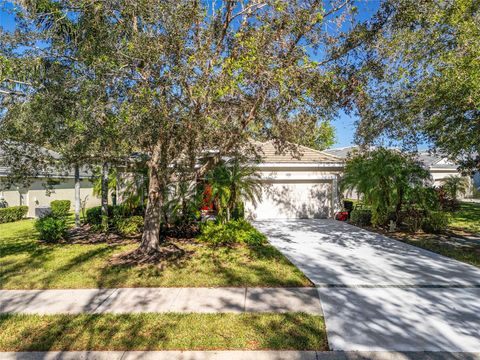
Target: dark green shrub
(13,213)
(435,222)
(412,219)
(233,232)
(60,208)
(361,217)
(51,229)
(94,215)
(129,226)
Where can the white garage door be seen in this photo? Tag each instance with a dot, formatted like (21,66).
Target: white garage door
(293,200)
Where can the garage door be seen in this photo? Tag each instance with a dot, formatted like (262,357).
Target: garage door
(292,200)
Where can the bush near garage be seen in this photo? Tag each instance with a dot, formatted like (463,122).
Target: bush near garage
(13,213)
(361,217)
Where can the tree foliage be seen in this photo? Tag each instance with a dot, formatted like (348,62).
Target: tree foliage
(173,79)
(424,60)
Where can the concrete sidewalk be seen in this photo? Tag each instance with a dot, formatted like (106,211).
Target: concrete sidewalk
(236,355)
(182,300)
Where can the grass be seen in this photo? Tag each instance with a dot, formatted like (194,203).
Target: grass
(26,263)
(290,331)
(466,252)
(467,218)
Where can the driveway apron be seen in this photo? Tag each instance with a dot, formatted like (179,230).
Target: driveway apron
(381,294)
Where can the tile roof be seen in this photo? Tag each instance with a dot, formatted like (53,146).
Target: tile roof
(270,154)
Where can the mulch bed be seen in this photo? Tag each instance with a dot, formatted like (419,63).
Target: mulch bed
(84,234)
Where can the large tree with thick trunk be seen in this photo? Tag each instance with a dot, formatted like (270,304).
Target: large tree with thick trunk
(185,77)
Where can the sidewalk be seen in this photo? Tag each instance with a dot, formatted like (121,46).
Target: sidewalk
(237,355)
(182,300)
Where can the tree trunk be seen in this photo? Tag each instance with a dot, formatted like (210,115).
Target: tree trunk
(77,195)
(105,196)
(151,228)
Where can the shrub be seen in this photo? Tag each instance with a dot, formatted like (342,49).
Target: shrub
(413,219)
(94,215)
(13,213)
(435,222)
(51,229)
(60,208)
(129,226)
(233,232)
(361,217)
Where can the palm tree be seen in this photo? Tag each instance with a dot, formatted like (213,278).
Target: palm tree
(455,185)
(233,182)
(384,177)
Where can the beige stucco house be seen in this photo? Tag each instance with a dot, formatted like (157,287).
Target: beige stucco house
(35,195)
(296,187)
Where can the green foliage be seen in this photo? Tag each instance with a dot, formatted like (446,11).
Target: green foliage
(455,186)
(386,179)
(130,225)
(320,137)
(413,219)
(94,215)
(183,205)
(232,232)
(361,217)
(52,229)
(13,213)
(233,182)
(60,208)
(435,222)
(424,60)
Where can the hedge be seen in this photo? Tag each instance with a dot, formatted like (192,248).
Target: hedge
(13,213)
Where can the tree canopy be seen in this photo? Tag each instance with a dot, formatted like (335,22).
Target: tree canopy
(173,79)
(422,61)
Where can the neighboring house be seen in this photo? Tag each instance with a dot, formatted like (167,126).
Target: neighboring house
(440,167)
(304,187)
(35,195)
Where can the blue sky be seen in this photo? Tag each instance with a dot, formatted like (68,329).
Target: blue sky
(344,124)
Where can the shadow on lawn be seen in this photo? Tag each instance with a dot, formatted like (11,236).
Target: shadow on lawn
(147,332)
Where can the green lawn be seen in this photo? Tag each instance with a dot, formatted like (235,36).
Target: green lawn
(25,263)
(467,218)
(290,331)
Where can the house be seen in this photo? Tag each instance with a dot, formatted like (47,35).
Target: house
(439,166)
(296,187)
(61,186)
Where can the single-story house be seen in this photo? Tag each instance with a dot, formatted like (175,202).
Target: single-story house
(296,187)
(61,187)
(439,166)
(293,187)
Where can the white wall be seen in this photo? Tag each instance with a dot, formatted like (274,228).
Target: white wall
(36,195)
(295,192)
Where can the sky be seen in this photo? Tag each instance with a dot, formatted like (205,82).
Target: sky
(344,124)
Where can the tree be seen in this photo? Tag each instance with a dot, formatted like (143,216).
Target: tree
(60,99)
(233,182)
(455,186)
(175,79)
(385,178)
(426,77)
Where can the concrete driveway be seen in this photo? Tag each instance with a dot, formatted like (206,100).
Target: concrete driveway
(381,294)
